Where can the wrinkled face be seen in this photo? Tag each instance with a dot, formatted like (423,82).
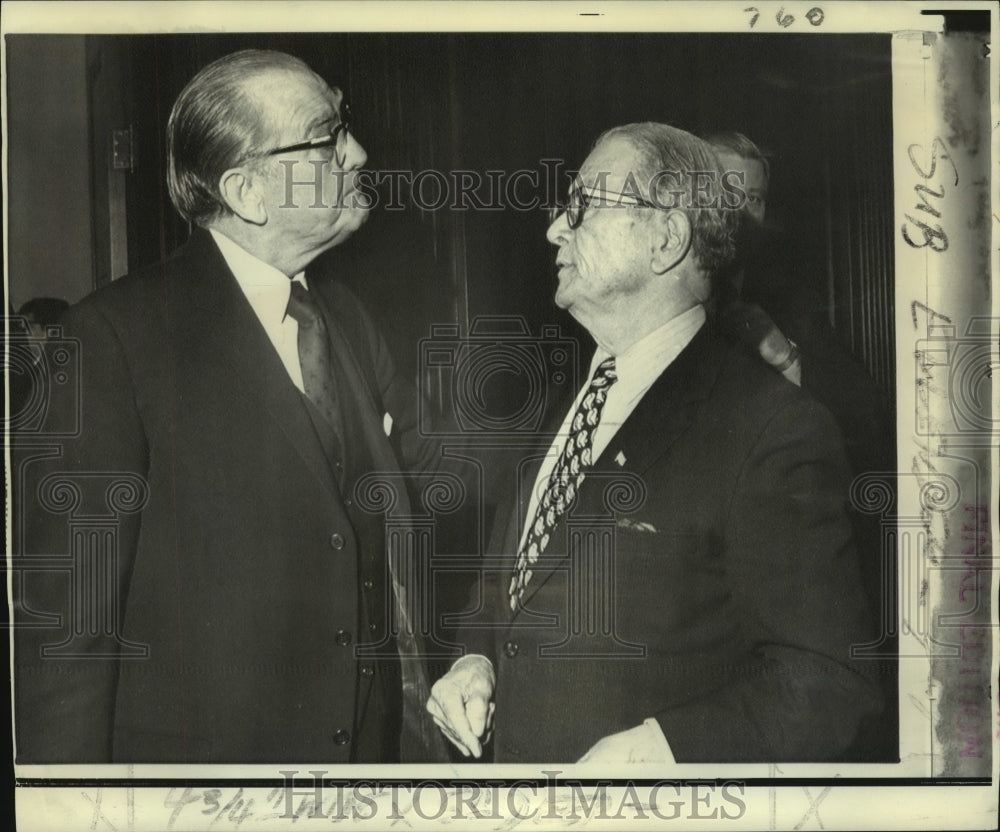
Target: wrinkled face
(311,199)
(605,261)
(754,183)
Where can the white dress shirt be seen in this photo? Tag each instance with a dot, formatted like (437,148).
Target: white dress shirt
(267,290)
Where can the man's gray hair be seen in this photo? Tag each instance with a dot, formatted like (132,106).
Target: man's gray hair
(668,150)
(217,124)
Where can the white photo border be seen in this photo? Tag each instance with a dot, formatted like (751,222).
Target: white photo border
(946,458)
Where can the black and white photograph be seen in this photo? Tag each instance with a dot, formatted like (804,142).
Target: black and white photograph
(422,414)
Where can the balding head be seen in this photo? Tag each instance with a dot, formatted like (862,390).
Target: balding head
(663,148)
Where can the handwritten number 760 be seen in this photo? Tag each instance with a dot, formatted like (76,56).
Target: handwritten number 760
(815,16)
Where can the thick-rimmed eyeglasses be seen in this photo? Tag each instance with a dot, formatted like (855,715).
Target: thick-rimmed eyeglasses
(579,202)
(338,140)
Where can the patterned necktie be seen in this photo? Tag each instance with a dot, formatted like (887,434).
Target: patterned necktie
(565,478)
(314,355)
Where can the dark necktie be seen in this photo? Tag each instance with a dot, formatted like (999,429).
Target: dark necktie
(565,479)
(314,355)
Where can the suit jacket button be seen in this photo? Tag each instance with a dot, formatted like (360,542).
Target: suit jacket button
(510,649)
(368,583)
(342,638)
(367,670)
(337,541)
(342,737)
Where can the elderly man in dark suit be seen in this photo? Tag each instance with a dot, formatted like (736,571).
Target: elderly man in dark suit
(243,608)
(676,579)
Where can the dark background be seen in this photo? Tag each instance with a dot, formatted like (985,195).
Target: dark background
(819,106)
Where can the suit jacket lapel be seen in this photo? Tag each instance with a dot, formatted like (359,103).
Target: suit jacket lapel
(660,418)
(511,514)
(667,409)
(355,391)
(505,536)
(220,314)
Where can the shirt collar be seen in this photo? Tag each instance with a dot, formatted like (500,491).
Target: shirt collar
(653,353)
(266,288)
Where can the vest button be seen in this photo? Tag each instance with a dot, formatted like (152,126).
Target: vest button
(342,638)
(348,502)
(367,670)
(510,649)
(337,541)
(342,737)
(368,583)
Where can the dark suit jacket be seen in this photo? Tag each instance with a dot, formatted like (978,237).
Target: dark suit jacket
(710,582)
(242,579)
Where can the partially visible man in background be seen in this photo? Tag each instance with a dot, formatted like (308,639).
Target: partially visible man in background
(737,154)
(676,579)
(242,608)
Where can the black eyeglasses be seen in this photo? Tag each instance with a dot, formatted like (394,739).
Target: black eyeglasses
(337,139)
(579,202)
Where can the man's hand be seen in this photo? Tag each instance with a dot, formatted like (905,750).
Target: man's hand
(461,704)
(643,744)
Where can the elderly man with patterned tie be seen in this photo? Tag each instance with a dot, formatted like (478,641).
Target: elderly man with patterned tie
(675,580)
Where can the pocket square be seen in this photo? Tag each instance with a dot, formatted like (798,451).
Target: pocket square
(636,525)
(387,423)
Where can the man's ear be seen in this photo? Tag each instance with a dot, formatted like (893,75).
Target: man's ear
(241,191)
(671,239)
